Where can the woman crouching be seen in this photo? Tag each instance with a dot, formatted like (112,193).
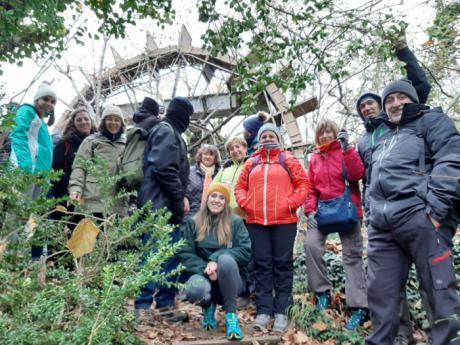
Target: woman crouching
(216,253)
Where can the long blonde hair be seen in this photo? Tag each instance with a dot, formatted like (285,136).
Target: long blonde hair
(224,224)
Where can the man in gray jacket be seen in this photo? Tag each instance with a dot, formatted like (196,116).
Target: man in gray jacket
(414,186)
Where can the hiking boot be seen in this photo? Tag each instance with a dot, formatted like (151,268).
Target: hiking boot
(323,300)
(261,322)
(357,319)
(171,314)
(234,331)
(402,339)
(281,323)
(144,316)
(209,321)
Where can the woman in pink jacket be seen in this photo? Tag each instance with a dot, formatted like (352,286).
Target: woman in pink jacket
(326,173)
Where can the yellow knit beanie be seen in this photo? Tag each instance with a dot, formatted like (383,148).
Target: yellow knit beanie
(223,188)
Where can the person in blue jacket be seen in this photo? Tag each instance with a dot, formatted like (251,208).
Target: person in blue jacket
(31,144)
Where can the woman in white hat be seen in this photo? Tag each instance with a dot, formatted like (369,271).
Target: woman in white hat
(105,147)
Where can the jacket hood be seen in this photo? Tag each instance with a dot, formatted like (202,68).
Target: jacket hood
(365,95)
(145,120)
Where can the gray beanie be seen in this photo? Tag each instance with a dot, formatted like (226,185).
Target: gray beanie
(44,89)
(269,127)
(111,109)
(403,86)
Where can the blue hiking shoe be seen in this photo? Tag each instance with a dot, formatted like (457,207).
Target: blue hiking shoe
(209,322)
(323,300)
(234,331)
(357,319)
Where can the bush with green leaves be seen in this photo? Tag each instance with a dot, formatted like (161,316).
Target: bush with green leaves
(62,299)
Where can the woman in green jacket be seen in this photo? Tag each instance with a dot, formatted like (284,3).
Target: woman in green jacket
(231,169)
(107,145)
(216,252)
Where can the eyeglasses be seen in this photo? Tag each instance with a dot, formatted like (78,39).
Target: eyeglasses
(52,100)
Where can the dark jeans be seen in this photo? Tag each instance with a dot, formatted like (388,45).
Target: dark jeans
(272,249)
(390,256)
(165,296)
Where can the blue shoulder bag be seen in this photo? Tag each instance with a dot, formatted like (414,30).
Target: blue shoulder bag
(338,214)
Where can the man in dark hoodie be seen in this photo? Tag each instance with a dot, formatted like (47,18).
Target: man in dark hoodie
(166,171)
(412,194)
(369,109)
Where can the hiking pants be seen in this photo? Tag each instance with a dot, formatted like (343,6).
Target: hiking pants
(272,249)
(229,285)
(405,322)
(352,257)
(390,256)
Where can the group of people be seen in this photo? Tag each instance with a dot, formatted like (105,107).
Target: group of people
(239,218)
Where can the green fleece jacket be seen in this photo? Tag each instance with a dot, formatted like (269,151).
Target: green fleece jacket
(229,174)
(196,255)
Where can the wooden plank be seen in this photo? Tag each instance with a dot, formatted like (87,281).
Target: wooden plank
(269,339)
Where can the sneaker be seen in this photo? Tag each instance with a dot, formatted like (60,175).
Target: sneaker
(402,339)
(144,316)
(261,321)
(323,300)
(209,321)
(234,331)
(281,323)
(357,319)
(171,314)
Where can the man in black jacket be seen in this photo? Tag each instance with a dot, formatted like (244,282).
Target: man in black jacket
(166,171)
(369,109)
(413,188)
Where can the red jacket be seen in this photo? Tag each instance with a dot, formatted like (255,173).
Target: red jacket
(326,176)
(267,192)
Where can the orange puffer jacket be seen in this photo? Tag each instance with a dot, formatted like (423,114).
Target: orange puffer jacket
(268,192)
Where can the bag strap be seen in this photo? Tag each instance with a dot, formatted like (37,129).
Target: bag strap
(345,174)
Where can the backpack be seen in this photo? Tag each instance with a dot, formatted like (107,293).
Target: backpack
(281,161)
(132,162)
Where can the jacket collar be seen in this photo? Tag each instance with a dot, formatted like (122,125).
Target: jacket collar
(411,112)
(333,145)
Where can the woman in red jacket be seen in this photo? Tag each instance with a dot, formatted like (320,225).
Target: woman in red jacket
(271,186)
(327,180)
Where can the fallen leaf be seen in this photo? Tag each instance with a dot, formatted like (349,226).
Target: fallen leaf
(83,238)
(30,226)
(319,326)
(300,338)
(61,208)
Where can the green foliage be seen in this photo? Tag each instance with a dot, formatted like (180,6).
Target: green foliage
(290,42)
(62,299)
(37,27)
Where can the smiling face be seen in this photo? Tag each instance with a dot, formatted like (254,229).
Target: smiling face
(208,158)
(269,137)
(394,104)
(45,104)
(369,108)
(82,123)
(237,151)
(113,124)
(215,203)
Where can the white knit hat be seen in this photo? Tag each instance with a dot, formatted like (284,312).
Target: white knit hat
(44,89)
(111,109)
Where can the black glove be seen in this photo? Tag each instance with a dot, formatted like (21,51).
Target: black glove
(177,210)
(312,224)
(343,138)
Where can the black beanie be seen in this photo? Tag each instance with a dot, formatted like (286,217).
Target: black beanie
(149,105)
(403,86)
(178,113)
(366,96)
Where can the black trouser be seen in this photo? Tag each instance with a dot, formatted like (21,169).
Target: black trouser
(272,248)
(390,255)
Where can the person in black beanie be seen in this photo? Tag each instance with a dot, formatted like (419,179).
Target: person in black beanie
(413,193)
(166,172)
(147,115)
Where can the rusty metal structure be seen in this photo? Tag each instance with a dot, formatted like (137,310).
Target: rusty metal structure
(211,93)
